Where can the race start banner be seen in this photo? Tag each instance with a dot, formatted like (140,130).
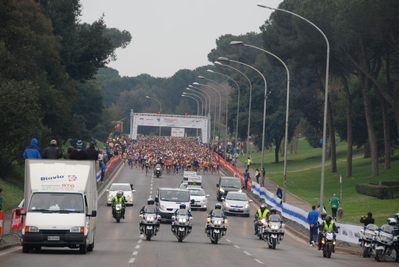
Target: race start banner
(17,221)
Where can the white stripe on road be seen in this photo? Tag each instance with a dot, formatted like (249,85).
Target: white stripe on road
(131,261)
(228,240)
(247,253)
(237,246)
(137,247)
(150,192)
(141,236)
(139,241)
(258,261)
(135,253)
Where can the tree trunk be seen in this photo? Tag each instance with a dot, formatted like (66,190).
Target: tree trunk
(278,144)
(372,140)
(387,135)
(367,150)
(349,133)
(332,139)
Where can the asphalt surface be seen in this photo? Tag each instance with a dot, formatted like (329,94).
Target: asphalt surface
(121,244)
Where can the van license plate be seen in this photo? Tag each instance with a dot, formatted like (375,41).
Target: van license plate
(53,238)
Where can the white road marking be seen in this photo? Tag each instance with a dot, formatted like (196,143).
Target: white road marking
(228,240)
(137,247)
(131,261)
(141,236)
(139,241)
(258,261)
(150,192)
(135,253)
(247,253)
(6,251)
(237,246)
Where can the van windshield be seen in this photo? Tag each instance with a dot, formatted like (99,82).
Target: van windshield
(59,202)
(174,195)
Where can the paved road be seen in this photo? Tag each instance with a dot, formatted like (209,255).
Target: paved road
(121,244)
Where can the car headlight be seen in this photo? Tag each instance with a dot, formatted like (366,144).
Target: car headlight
(163,207)
(221,190)
(31,229)
(226,204)
(246,206)
(240,190)
(77,229)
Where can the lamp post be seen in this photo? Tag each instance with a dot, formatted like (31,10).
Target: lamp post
(323,156)
(202,102)
(209,104)
(204,106)
(287,107)
(160,109)
(186,95)
(250,99)
(227,102)
(238,102)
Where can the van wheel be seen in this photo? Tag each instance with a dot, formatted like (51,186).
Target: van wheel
(83,249)
(91,246)
(25,249)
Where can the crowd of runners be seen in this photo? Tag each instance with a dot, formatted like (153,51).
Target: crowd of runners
(174,154)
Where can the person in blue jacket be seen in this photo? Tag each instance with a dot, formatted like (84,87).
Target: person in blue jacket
(33,151)
(313,218)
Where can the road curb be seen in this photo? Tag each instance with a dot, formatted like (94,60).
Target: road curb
(10,245)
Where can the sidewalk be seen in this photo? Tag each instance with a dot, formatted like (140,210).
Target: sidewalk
(272,187)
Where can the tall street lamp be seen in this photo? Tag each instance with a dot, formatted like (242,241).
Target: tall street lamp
(209,106)
(250,99)
(227,103)
(160,109)
(186,95)
(238,101)
(197,97)
(323,156)
(264,104)
(287,107)
(204,106)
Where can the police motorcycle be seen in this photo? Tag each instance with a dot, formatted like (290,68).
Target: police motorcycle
(158,170)
(273,233)
(181,223)
(261,228)
(149,222)
(328,238)
(367,237)
(385,240)
(118,209)
(216,225)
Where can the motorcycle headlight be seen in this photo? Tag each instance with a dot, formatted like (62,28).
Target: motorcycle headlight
(77,229)
(263,220)
(182,220)
(221,190)
(274,227)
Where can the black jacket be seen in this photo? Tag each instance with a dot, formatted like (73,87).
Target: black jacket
(52,152)
(79,154)
(92,153)
(367,220)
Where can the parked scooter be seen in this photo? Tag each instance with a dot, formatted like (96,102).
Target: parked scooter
(149,224)
(367,238)
(158,170)
(181,225)
(384,242)
(273,233)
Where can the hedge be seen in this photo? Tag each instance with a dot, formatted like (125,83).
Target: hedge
(386,183)
(381,192)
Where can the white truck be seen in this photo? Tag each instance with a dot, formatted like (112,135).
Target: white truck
(60,204)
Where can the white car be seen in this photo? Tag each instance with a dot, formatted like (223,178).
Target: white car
(127,192)
(200,198)
(236,203)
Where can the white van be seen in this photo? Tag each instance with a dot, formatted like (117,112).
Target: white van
(61,204)
(168,200)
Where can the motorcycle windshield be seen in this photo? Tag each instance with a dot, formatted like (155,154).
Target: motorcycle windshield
(274,218)
(182,213)
(150,209)
(217,213)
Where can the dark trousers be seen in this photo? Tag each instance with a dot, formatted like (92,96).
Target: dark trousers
(313,234)
(334,213)
(246,184)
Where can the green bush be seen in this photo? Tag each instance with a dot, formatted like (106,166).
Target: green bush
(382,192)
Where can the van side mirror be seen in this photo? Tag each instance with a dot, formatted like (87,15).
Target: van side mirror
(107,190)
(157,199)
(19,213)
(131,186)
(93,214)
(250,201)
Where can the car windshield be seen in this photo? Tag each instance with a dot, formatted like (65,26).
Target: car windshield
(230,182)
(117,187)
(175,195)
(274,218)
(59,202)
(197,192)
(237,197)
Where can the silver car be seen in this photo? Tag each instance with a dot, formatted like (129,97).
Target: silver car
(237,203)
(127,192)
(200,198)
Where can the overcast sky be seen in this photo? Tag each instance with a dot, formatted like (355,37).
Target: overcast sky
(169,35)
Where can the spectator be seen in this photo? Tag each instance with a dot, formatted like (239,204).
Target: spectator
(32,151)
(246,175)
(102,171)
(79,153)
(1,199)
(313,217)
(257,175)
(92,152)
(67,155)
(52,151)
(367,220)
(263,176)
(279,194)
(324,208)
(248,163)
(334,201)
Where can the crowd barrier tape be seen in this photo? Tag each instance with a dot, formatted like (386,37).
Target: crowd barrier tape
(16,221)
(347,232)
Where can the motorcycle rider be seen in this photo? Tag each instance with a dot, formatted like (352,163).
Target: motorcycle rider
(119,199)
(182,207)
(327,224)
(272,211)
(149,207)
(263,212)
(218,209)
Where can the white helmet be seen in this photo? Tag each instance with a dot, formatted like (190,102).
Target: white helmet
(391,221)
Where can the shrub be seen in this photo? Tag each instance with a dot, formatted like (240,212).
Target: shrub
(382,192)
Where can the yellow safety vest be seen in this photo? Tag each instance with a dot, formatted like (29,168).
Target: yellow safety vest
(328,227)
(265,212)
(118,201)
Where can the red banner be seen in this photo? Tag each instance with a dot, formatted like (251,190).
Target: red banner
(1,222)
(234,171)
(16,222)
(111,162)
(119,126)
